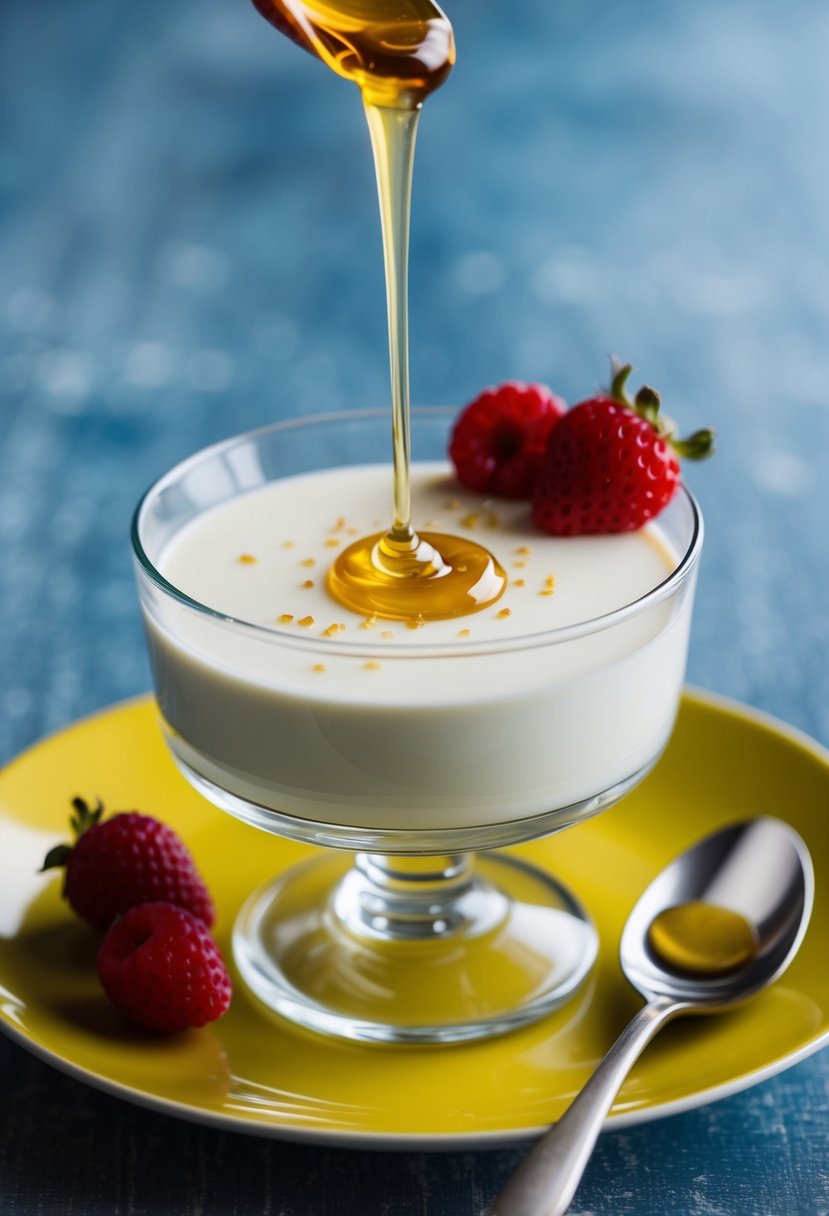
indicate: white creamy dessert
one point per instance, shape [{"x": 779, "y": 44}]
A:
[{"x": 286, "y": 699}]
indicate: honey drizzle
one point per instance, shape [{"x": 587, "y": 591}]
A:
[
  {"x": 393, "y": 134},
  {"x": 397, "y": 52},
  {"x": 400, "y": 575}
]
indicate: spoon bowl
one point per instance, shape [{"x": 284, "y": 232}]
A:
[
  {"x": 760, "y": 869},
  {"x": 758, "y": 874}
]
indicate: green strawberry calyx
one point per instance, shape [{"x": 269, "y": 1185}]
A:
[
  {"x": 82, "y": 819},
  {"x": 647, "y": 403}
]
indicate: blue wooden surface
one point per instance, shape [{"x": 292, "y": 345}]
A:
[{"x": 189, "y": 246}]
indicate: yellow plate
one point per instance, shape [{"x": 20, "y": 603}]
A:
[{"x": 255, "y": 1073}]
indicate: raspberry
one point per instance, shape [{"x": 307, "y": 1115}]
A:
[
  {"x": 499, "y": 439},
  {"x": 161, "y": 968},
  {"x": 611, "y": 465},
  {"x": 123, "y": 861}
]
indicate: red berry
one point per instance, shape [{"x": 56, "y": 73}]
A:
[
  {"x": 127, "y": 860},
  {"x": 605, "y": 470},
  {"x": 611, "y": 464},
  {"x": 159, "y": 965},
  {"x": 499, "y": 439}
]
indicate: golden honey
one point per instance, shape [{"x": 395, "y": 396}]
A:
[
  {"x": 701, "y": 938},
  {"x": 396, "y": 52}
]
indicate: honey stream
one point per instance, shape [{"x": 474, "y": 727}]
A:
[{"x": 397, "y": 52}]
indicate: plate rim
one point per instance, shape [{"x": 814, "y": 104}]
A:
[
  {"x": 399, "y": 1141},
  {"x": 415, "y": 1141}
]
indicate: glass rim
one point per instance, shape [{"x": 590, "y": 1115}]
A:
[{"x": 332, "y": 646}]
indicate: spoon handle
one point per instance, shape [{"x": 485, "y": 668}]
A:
[{"x": 546, "y": 1180}]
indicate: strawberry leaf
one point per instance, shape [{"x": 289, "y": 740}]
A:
[
  {"x": 646, "y": 403},
  {"x": 697, "y": 446},
  {"x": 85, "y": 816},
  {"x": 56, "y": 857},
  {"x": 619, "y": 373}
]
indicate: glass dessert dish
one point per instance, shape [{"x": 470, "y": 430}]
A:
[{"x": 408, "y": 746}]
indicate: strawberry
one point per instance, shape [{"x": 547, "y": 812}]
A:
[
  {"x": 611, "y": 464},
  {"x": 499, "y": 439},
  {"x": 126, "y": 860},
  {"x": 159, "y": 965}
]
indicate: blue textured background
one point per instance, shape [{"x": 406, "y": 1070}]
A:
[{"x": 189, "y": 246}]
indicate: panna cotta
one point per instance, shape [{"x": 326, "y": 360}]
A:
[{"x": 562, "y": 690}]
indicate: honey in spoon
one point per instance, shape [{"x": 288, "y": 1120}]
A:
[{"x": 701, "y": 938}]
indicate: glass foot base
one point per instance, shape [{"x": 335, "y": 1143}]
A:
[{"x": 405, "y": 951}]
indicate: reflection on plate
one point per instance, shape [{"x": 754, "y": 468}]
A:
[{"x": 255, "y": 1073}]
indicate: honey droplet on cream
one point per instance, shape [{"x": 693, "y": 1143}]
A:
[{"x": 431, "y": 577}]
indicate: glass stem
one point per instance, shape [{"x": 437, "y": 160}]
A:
[
  {"x": 393, "y": 132},
  {"x": 395, "y": 898}
]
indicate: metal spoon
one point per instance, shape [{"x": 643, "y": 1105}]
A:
[{"x": 761, "y": 870}]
